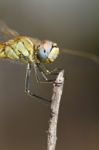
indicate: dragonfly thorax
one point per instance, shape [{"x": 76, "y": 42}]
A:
[{"x": 20, "y": 49}]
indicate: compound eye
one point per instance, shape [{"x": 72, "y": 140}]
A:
[{"x": 44, "y": 51}]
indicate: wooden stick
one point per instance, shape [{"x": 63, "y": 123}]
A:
[{"x": 56, "y": 98}]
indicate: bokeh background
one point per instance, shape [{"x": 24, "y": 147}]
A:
[{"x": 73, "y": 24}]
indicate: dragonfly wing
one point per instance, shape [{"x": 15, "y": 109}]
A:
[
  {"x": 82, "y": 54},
  {"x": 6, "y": 33}
]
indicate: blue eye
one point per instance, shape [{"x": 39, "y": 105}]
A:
[{"x": 42, "y": 53}]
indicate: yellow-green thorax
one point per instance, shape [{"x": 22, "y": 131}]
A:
[{"x": 21, "y": 48}]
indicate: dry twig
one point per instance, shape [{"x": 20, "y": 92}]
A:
[{"x": 56, "y": 97}]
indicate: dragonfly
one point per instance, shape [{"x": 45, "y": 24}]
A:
[
  {"x": 35, "y": 54},
  {"x": 30, "y": 51}
]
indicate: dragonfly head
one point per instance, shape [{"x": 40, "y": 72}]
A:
[{"x": 47, "y": 52}]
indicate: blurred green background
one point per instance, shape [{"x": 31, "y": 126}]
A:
[{"x": 73, "y": 24}]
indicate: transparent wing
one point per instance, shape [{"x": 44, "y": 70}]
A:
[
  {"x": 6, "y": 33},
  {"x": 83, "y": 54}
]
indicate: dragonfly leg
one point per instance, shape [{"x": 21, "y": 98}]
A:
[
  {"x": 40, "y": 72},
  {"x": 27, "y": 78},
  {"x": 27, "y": 85},
  {"x": 44, "y": 72},
  {"x": 53, "y": 72},
  {"x": 49, "y": 72}
]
